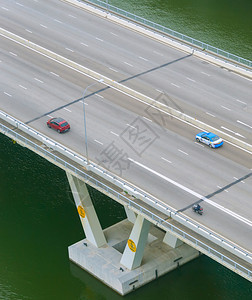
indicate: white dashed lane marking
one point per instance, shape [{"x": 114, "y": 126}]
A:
[
  {"x": 205, "y": 73},
  {"x": 166, "y": 160},
  {"x": 38, "y": 80},
  {"x": 86, "y": 45},
  {"x": 225, "y": 107},
  {"x": 7, "y": 94},
  {"x": 114, "y": 133},
  {"x": 210, "y": 114},
  {"x": 147, "y": 119},
  {"x": 54, "y": 74},
  {"x": 190, "y": 79},
  {"x": 182, "y": 152},
  {"x": 126, "y": 63},
  {"x": 98, "y": 142}
]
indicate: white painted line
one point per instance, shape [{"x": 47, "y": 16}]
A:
[
  {"x": 205, "y": 73},
  {"x": 210, "y": 114},
  {"x": 175, "y": 85},
  {"x": 243, "y": 123},
  {"x": 28, "y": 30},
  {"x": 199, "y": 144},
  {"x": 4, "y": 8},
  {"x": 14, "y": 54},
  {"x": 69, "y": 49},
  {"x": 159, "y": 91},
  {"x": 235, "y": 178},
  {"x": 71, "y": 16},
  {"x": 238, "y": 134},
  {"x": 114, "y": 133},
  {"x": 86, "y": 45},
  {"x": 113, "y": 70},
  {"x": 145, "y": 59},
  {"x": 99, "y": 39},
  {"x": 49, "y": 116},
  {"x": 23, "y": 87},
  {"x": 182, "y": 152},
  {"x": 58, "y": 21},
  {"x": 130, "y": 126},
  {"x": 84, "y": 102},
  {"x": 98, "y": 95},
  {"x": 221, "y": 188},
  {"x": 38, "y": 80},
  {"x": 7, "y": 94},
  {"x": 241, "y": 101},
  {"x": 225, "y": 107},
  {"x": 67, "y": 109},
  {"x": 227, "y": 129},
  {"x": 190, "y": 79},
  {"x": 19, "y": 4},
  {"x": 158, "y": 53},
  {"x": 232, "y": 131},
  {"x": 113, "y": 33},
  {"x": 44, "y": 26},
  {"x": 54, "y": 74},
  {"x": 195, "y": 194},
  {"x": 147, "y": 119},
  {"x": 128, "y": 64},
  {"x": 98, "y": 142},
  {"x": 166, "y": 160}
]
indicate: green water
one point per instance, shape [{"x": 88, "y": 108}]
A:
[
  {"x": 38, "y": 219},
  {"x": 225, "y": 24}
]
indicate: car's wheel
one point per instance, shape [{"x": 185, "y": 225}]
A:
[
  {"x": 58, "y": 131},
  {"x": 197, "y": 140},
  {"x": 48, "y": 125},
  {"x": 210, "y": 145}
]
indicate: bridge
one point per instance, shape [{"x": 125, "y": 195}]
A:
[{"x": 144, "y": 96}]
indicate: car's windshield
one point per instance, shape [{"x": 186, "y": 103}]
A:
[
  {"x": 63, "y": 124},
  {"x": 215, "y": 138}
]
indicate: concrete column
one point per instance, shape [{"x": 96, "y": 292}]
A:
[
  {"x": 171, "y": 240},
  {"x": 133, "y": 252},
  {"x": 131, "y": 215},
  {"x": 87, "y": 214}
]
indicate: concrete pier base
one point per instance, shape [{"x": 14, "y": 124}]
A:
[{"x": 104, "y": 262}]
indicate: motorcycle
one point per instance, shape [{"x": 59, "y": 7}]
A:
[{"x": 197, "y": 209}]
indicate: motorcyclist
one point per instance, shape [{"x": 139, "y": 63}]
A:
[{"x": 197, "y": 207}]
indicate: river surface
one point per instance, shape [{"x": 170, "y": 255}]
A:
[{"x": 38, "y": 218}]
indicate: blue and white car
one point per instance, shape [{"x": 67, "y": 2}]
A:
[{"x": 210, "y": 139}]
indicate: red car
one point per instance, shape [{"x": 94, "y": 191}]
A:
[{"x": 58, "y": 124}]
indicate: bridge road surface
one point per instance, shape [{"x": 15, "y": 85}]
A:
[
  {"x": 33, "y": 85},
  {"x": 200, "y": 89}
]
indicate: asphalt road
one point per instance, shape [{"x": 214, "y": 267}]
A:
[{"x": 163, "y": 158}]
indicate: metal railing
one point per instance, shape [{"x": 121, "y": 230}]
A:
[
  {"x": 94, "y": 182},
  {"x": 177, "y": 35}
]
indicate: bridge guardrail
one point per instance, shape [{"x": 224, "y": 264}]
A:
[
  {"x": 123, "y": 184},
  {"x": 247, "y": 64}
]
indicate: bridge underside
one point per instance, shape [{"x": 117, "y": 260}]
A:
[{"x": 128, "y": 254}]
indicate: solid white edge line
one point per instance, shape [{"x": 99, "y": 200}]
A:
[{"x": 197, "y": 195}]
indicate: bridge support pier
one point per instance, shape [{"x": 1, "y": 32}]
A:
[{"x": 127, "y": 255}]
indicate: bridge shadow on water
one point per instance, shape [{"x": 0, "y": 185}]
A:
[{"x": 108, "y": 87}]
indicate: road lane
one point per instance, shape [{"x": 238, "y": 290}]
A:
[
  {"x": 137, "y": 60},
  {"x": 201, "y": 169}
]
